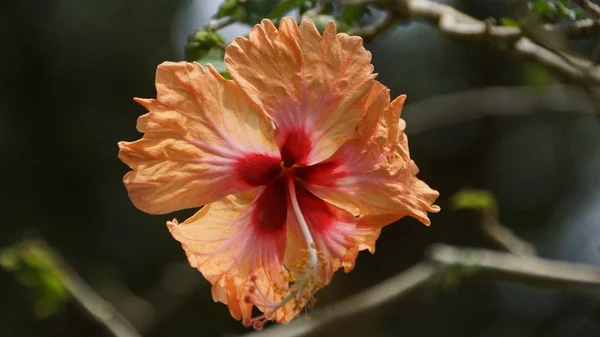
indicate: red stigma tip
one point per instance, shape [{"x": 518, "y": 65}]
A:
[
  {"x": 257, "y": 325},
  {"x": 248, "y": 299},
  {"x": 247, "y": 322},
  {"x": 252, "y": 278},
  {"x": 252, "y": 289}
]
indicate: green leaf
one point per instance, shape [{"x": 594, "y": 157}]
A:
[
  {"x": 9, "y": 259},
  {"x": 473, "y": 199},
  {"x": 565, "y": 11},
  {"x": 200, "y": 43},
  {"x": 256, "y": 10},
  {"x": 544, "y": 7},
  {"x": 215, "y": 57},
  {"x": 536, "y": 75},
  {"x": 509, "y": 22},
  {"x": 45, "y": 307},
  {"x": 322, "y": 20},
  {"x": 284, "y": 7},
  {"x": 555, "y": 8},
  {"x": 352, "y": 13},
  {"x": 230, "y": 8}
]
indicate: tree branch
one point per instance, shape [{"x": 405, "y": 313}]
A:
[
  {"x": 472, "y": 104},
  {"x": 522, "y": 269},
  {"x": 526, "y": 270},
  {"x": 385, "y": 292},
  {"x": 372, "y": 31},
  {"x": 459, "y": 25},
  {"x": 589, "y": 6}
]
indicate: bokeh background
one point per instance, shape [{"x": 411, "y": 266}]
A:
[{"x": 69, "y": 71}]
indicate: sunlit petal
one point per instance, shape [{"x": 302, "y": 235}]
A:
[
  {"x": 373, "y": 175},
  {"x": 203, "y": 139},
  {"x": 312, "y": 86}
]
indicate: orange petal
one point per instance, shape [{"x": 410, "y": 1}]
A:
[
  {"x": 203, "y": 139},
  {"x": 312, "y": 86},
  {"x": 237, "y": 239},
  {"x": 373, "y": 176}
]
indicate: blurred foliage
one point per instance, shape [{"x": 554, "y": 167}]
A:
[
  {"x": 554, "y": 10},
  {"x": 548, "y": 10},
  {"x": 207, "y": 46},
  {"x": 253, "y": 11},
  {"x": 473, "y": 199},
  {"x": 283, "y": 7},
  {"x": 352, "y": 13},
  {"x": 536, "y": 75},
  {"x": 35, "y": 268}
]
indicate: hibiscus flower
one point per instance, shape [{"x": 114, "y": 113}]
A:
[{"x": 299, "y": 161}]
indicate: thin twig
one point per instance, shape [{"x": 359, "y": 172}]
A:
[
  {"x": 215, "y": 24},
  {"x": 589, "y": 6},
  {"x": 506, "y": 238},
  {"x": 478, "y": 103},
  {"x": 101, "y": 310},
  {"x": 522, "y": 269},
  {"x": 376, "y": 296},
  {"x": 578, "y": 29},
  {"x": 374, "y": 30}
]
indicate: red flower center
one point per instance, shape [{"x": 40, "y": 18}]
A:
[{"x": 272, "y": 172}]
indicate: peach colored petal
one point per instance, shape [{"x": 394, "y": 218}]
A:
[
  {"x": 232, "y": 239},
  {"x": 312, "y": 86},
  {"x": 373, "y": 176},
  {"x": 366, "y": 236},
  {"x": 201, "y": 135}
]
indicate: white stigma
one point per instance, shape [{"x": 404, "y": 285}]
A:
[
  {"x": 313, "y": 261},
  {"x": 303, "y": 284}
]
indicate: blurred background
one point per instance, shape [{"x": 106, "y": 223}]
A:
[{"x": 69, "y": 71}]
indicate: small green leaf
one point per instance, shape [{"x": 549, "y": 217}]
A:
[
  {"x": 284, "y": 7},
  {"x": 200, "y": 43},
  {"x": 322, "y": 20},
  {"x": 230, "y": 8},
  {"x": 536, "y": 75},
  {"x": 509, "y": 22},
  {"x": 565, "y": 11},
  {"x": 473, "y": 199},
  {"x": 352, "y": 13},
  {"x": 256, "y": 10},
  {"x": 45, "y": 307},
  {"x": 544, "y": 7},
  {"x": 557, "y": 9},
  {"x": 215, "y": 57},
  {"x": 9, "y": 259}
]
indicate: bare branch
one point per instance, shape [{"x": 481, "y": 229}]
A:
[
  {"x": 506, "y": 238},
  {"x": 522, "y": 269},
  {"x": 459, "y": 25},
  {"x": 374, "y": 297},
  {"x": 493, "y": 101},
  {"x": 579, "y": 29},
  {"x": 215, "y": 24},
  {"x": 372, "y": 31},
  {"x": 527, "y": 270},
  {"x": 589, "y": 6}
]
